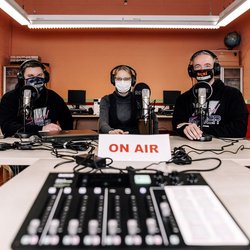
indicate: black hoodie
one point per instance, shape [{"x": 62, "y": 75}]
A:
[
  {"x": 226, "y": 108},
  {"x": 48, "y": 108}
]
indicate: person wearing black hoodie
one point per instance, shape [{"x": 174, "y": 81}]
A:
[
  {"x": 226, "y": 114},
  {"x": 46, "y": 111}
]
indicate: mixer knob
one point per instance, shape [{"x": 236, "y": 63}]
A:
[
  {"x": 112, "y": 226},
  {"x": 151, "y": 225},
  {"x": 174, "y": 239},
  {"x": 192, "y": 178},
  {"x": 93, "y": 227},
  {"x": 73, "y": 226},
  {"x": 54, "y": 226},
  {"x": 132, "y": 226},
  {"x": 33, "y": 226},
  {"x": 165, "y": 209}
]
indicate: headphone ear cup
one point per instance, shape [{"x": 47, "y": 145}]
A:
[
  {"x": 112, "y": 78},
  {"x": 20, "y": 78},
  {"x": 46, "y": 76},
  {"x": 133, "y": 80},
  {"x": 216, "y": 69},
  {"x": 191, "y": 72}
]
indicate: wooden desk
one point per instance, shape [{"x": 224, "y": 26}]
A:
[
  {"x": 165, "y": 124},
  {"x": 85, "y": 122},
  {"x": 91, "y": 122}
]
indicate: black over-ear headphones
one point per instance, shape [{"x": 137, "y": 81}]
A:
[
  {"x": 216, "y": 68},
  {"x": 31, "y": 63},
  {"x": 126, "y": 68}
]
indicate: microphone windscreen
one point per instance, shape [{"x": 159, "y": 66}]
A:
[
  {"x": 202, "y": 85},
  {"x": 27, "y": 93},
  {"x": 139, "y": 87},
  {"x": 138, "y": 93},
  {"x": 34, "y": 91}
]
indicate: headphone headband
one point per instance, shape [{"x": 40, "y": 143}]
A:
[
  {"x": 31, "y": 63},
  {"x": 203, "y": 52},
  {"x": 216, "y": 68},
  {"x": 123, "y": 67}
]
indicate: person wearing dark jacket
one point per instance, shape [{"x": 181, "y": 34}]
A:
[
  {"x": 119, "y": 111},
  {"x": 226, "y": 112},
  {"x": 47, "y": 111}
]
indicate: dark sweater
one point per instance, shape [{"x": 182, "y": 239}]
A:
[
  {"x": 227, "y": 112},
  {"x": 118, "y": 112},
  {"x": 123, "y": 112},
  {"x": 48, "y": 108}
]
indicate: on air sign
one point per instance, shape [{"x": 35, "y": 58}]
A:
[{"x": 135, "y": 147}]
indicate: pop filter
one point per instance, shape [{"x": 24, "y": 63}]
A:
[
  {"x": 202, "y": 85},
  {"x": 138, "y": 94},
  {"x": 33, "y": 90}
]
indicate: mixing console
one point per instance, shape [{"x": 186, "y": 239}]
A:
[{"x": 128, "y": 211}]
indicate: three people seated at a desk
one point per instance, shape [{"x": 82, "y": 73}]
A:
[
  {"x": 226, "y": 110},
  {"x": 48, "y": 111}
]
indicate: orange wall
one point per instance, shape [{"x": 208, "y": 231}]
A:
[
  {"x": 82, "y": 59},
  {"x": 242, "y": 25}
]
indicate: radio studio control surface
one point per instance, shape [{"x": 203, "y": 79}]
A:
[{"x": 128, "y": 211}]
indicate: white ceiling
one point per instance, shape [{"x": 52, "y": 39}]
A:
[{"x": 210, "y": 14}]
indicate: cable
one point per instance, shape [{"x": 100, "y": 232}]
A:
[
  {"x": 204, "y": 170},
  {"x": 64, "y": 162}
]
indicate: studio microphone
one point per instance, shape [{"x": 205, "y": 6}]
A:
[
  {"x": 202, "y": 97},
  {"x": 202, "y": 91},
  {"x": 29, "y": 95},
  {"x": 26, "y": 102},
  {"x": 145, "y": 104},
  {"x": 142, "y": 98},
  {"x": 138, "y": 97}
]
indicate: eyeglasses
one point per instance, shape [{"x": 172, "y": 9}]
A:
[{"x": 122, "y": 79}]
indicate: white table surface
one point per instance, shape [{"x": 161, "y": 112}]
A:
[{"x": 231, "y": 182}]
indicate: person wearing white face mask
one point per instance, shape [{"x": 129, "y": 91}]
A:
[{"x": 118, "y": 114}]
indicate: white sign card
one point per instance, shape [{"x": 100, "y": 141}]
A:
[{"x": 135, "y": 147}]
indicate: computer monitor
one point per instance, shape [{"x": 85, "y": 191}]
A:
[
  {"x": 76, "y": 98},
  {"x": 170, "y": 97}
]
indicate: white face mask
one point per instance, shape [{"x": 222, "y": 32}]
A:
[{"x": 123, "y": 86}]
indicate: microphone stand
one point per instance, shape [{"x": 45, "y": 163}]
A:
[
  {"x": 146, "y": 127},
  {"x": 151, "y": 120},
  {"x": 24, "y": 134},
  {"x": 204, "y": 137}
]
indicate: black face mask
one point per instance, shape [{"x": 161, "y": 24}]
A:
[
  {"x": 37, "y": 82},
  {"x": 204, "y": 75}
]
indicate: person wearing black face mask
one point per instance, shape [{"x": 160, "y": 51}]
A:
[
  {"x": 47, "y": 111},
  {"x": 226, "y": 111}
]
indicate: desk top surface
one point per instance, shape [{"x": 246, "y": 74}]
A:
[
  {"x": 231, "y": 181},
  {"x": 223, "y": 149}
]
